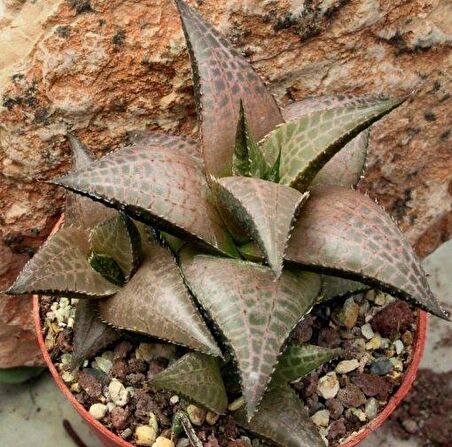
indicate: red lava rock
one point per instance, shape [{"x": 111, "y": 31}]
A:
[
  {"x": 228, "y": 430},
  {"x": 237, "y": 443},
  {"x": 137, "y": 366},
  {"x": 89, "y": 384},
  {"x": 144, "y": 404},
  {"x": 155, "y": 366},
  {"x": 351, "y": 396},
  {"x": 335, "y": 408},
  {"x": 394, "y": 318},
  {"x": 211, "y": 442},
  {"x": 135, "y": 378},
  {"x": 329, "y": 338},
  {"x": 62, "y": 341},
  {"x": 119, "y": 369},
  {"x": 118, "y": 418},
  {"x": 303, "y": 330},
  {"x": 308, "y": 385},
  {"x": 373, "y": 385},
  {"x": 410, "y": 426},
  {"x": 122, "y": 350},
  {"x": 337, "y": 429}
]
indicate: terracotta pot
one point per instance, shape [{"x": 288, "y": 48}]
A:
[{"x": 109, "y": 439}]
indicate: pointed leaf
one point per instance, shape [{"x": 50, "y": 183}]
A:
[
  {"x": 347, "y": 234},
  {"x": 266, "y": 209},
  {"x": 307, "y": 143},
  {"x": 299, "y": 360},
  {"x": 336, "y": 287},
  {"x": 252, "y": 252},
  {"x": 222, "y": 77},
  {"x": 254, "y": 312},
  {"x": 107, "y": 267},
  {"x": 197, "y": 377},
  {"x": 155, "y": 185},
  {"x": 185, "y": 145},
  {"x": 283, "y": 420},
  {"x": 156, "y": 302},
  {"x": 82, "y": 211},
  {"x": 91, "y": 335},
  {"x": 248, "y": 159},
  {"x": 61, "y": 267},
  {"x": 118, "y": 238},
  {"x": 272, "y": 174}
]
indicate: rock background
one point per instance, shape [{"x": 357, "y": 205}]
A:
[{"x": 99, "y": 68}]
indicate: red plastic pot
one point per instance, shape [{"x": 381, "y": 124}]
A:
[{"x": 109, "y": 439}]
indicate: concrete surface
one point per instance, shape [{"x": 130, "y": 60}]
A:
[{"x": 32, "y": 414}]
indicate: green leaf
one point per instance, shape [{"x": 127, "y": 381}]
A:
[
  {"x": 255, "y": 312},
  {"x": 272, "y": 175},
  {"x": 197, "y": 377},
  {"x": 107, "y": 267},
  {"x": 91, "y": 335},
  {"x": 60, "y": 267},
  {"x": 307, "y": 143},
  {"x": 20, "y": 374},
  {"x": 159, "y": 186},
  {"x": 119, "y": 239},
  {"x": 283, "y": 420},
  {"x": 298, "y": 361},
  {"x": 222, "y": 77},
  {"x": 185, "y": 145},
  {"x": 346, "y": 234},
  {"x": 181, "y": 423},
  {"x": 266, "y": 209},
  {"x": 252, "y": 252},
  {"x": 248, "y": 159},
  {"x": 336, "y": 287},
  {"x": 347, "y": 166},
  {"x": 156, "y": 302},
  {"x": 82, "y": 211}
]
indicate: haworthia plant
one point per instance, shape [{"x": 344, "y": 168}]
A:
[{"x": 241, "y": 233}]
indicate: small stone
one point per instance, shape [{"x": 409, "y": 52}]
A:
[
  {"x": 183, "y": 442},
  {"x": 381, "y": 367},
  {"x": 98, "y": 411},
  {"x": 121, "y": 350},
  {"x": 212, "y": 418},
  {"x": 381, "y": 299},
  {"x": 407, "y": 338},
  {"x": 321, "y": 418},
  {"x": 150, "y": 351},
  {"x": 328, "y": 386},
  {"x": 103, "y": 364},
  {"x": 90, "y": 384},
  {"x": 174, "y": 399},
  {"x": 394, "y": 318},
  {"x": 153, "y": 422},
  {"x": 196, "y": 415},
  {"x": 303, "y": 330},
  {"x": 359, "y": 414},
  {"x": 335, "y": 408},
  {"x": 374, "y": 343},
  {"x": 329, "y": 338},
  {"x": 397, "y": 364},
  {"x": 67, "y": 376},
  {"x": 364, "y": 308},
  {"x": 398, "y": 345},
  {"x": 373, "y": 385},
  {"x": 336, "y": 429},
  {"x": 163, "y": 442},
  {"x": 118, "y": 417},
  {"x": 76, "y": 388},
  {"x": 346, "y": 366},
  {"x": 126, "y": 434},
  {"x": 236, "y": 404},
  {"x": 371, "y": 408},
  {"x": 410, "y": 426},
  {"x": 145, "y": 435},
  {"x": 351, "y": 396},
  {"x": 119, "y": 369},
  {"x": 385, "y": 343},
  {"x": 367, "y": 331},
  {"x": 118, "y": 393},
  {"x": 349, "y": 313}
]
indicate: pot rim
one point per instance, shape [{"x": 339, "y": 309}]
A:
[{"x": 103, "y": 432}]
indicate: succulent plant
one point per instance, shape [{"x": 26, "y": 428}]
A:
[{"x": 223, "y": 245}]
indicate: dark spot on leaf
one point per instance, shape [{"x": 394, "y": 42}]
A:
[
  {"x": 445, "y": 135},
  {"x": 119, "y": 37},
  {"x": 81, "y": 6},
  {"x": 63, "y": 31},
  {"x": 430, "y": 116}
]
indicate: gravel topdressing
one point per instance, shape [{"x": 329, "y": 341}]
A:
[{"x": 375, "y": 330}]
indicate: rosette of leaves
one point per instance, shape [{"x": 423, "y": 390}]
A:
[{"x": 223, "y": 244}]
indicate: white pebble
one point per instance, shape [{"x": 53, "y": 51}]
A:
[
  {"x": 163, "y": 442},
  {"x": 145, "y": 435},
  {"x": 153, "y": 422},
  {"x": 321, "y": 418},
  {"x": 212, "y": 418},
  {"x": 367, "y": 331},
  {"x": 345, "y": 366},
  {"x": 67, "y": 376},
  {"x": 174, "y": 399},
  {"x": 118, "y": 393},
  {"x": 398, "y": 345},
  {"x": 103, "y": 364},
  {"x": 328, "y": 386},
  {"x": 397, "y": 363},
  {"x": 371, "y": 409},
  {"x": 359, "y": 414},
  {"x": 374, "y": 343},
  {"x": 98, "y": 411},
  {"x": 196, "y": 415},
  {"x": 183, "y": 442}
]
